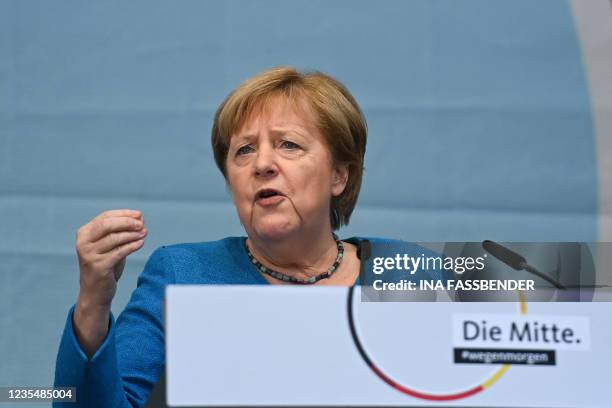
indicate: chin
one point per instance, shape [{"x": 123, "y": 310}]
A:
[{"x": 274, "y": 229}]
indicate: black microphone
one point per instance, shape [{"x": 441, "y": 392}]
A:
[
  {"x": 364, "y": 250},
  {"x": 516, "y": 261}
]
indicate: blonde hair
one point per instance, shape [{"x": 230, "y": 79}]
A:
[{"x": 337, "y": 114}]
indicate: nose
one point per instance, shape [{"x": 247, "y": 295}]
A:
[{"x": 265, "y": 163}]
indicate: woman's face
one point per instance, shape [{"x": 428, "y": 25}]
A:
[{"x": 280, "y": 173}]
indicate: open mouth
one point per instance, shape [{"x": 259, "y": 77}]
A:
[{"x": 268, "y": 196}]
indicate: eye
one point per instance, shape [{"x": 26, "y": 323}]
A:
[
  {"x": 244, "y": 150},
  {"x": 289, "y": 145}
]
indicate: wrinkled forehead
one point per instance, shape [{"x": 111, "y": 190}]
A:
[{"x": 284, "y": 109}]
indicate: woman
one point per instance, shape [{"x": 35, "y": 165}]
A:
[{"x": 291, "y": 148}]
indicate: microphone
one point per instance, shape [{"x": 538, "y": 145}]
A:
[
  {"x": 364, "y": 250},
  {"x": 516, "y": 261}
]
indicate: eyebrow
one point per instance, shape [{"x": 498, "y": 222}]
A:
[
  {"x": 244, "y": 137},
  {"x": 248, "y": 137}
]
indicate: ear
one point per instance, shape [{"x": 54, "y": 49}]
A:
[{"x": 340, "y": 178}]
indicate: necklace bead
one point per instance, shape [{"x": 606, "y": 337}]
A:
[{"x": 286, "y": 278}]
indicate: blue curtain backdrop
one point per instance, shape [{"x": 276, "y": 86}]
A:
[{"x": 479, "y": 114}]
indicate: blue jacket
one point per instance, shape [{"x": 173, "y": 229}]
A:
[{"x": 123, "y": 370}]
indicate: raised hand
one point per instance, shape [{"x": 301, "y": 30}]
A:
[{"x": 102, "y": 246}]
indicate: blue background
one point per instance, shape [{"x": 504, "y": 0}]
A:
[{"x": 479, "y": 118}]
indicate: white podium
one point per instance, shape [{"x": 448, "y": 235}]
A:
[{"x": 316, "y": 346}]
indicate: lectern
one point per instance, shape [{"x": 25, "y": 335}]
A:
[{"x": 324, "y": 346}]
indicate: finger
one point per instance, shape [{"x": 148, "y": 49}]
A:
[
  {"x": 104, "y": 226},
  {"x": 121, "y": 213},
  {"x": 122, "y": 251},
  {"x": 110, "y": 241},
  {"x": 137, "y": 214}
]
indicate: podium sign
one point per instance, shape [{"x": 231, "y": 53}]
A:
[{"x": 312, "y": 346}]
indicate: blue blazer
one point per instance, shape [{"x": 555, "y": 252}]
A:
[{"x": 124, "y": 369}]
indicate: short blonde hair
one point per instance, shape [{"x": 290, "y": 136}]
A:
[{"x": 338, "y": 117}]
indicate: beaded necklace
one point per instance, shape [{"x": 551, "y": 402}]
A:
[{"x": 286, "y": 278}]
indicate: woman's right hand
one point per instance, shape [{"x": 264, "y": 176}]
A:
[{"x": 102, "y": 246}]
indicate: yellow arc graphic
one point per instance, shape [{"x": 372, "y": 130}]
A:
[{"x": 502, "y": 370}]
